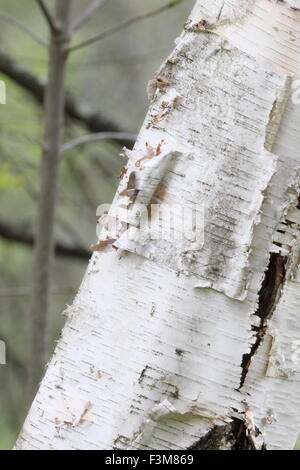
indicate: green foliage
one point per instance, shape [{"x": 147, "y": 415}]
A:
[
  {"x": 8, "y": 179},
  {"x": 175, "y": 2}
]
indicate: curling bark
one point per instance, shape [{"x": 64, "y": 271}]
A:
[
  {"x": 44, "y": 245},
  {"x": 173, "y": 346}
]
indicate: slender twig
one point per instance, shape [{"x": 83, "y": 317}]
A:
[
  {"x": 86, "y": 15},
  {"x": 16, "y": 234},
  {"x": 13, "y": 21},
  {"x": 47, "y": 15},
  {"x": 26, "y": 292},
  {"x": 86, "y": 139},
  {"x": 121, "y": 26}
]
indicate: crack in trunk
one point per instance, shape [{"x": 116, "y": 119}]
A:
[
  {"x": 269, "y": 295},
  {"x": 233, "y": 436}
]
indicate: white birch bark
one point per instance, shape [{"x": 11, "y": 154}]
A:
[{"x": 169, "y": 346}]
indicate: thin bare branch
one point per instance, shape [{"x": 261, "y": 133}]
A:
[
  {"x": 121, "y": 26},
  {"x": 86, "y": 15},
  {"x": 47, "y": 15},
  {"x": 13, "y": 21},
  {"x": 93, "y": 122},
  {"x": 26, "y": 291},
  {"x": 18, "y": 235},
  {"x": 86, "y": 139}
]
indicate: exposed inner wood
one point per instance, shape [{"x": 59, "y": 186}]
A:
[
  {"x": 269, "y": 295},
  {"x": 233, "y": 436}
]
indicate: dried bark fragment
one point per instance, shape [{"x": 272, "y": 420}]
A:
[{"x": 103, "y": 245}]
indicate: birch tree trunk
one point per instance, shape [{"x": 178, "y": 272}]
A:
[{"x": 169, "y": 346}]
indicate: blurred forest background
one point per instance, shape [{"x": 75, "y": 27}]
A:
[{"x": 108, "y": 84}]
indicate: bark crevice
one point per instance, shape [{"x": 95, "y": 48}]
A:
[
  {"x": 232, "y": 436},
  {"x": 269, "y": 295}
]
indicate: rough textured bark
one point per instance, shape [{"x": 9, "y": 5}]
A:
[
  {"x": 44, "y": 241},
  {"x": 168, "y": 346}
]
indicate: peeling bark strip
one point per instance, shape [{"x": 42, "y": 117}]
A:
[
  {"x": 282, "y": 265},
  {"x": 242, "y": 438},
  {"x": 232, "y": 203},
  {"x": 170, "y": 354},
  {"x": 269, "y": 295}
]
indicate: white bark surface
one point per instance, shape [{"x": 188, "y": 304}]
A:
[{"x": 150, "y": 357}]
